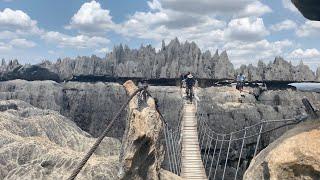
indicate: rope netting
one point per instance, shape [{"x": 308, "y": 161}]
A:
[{"x": 217, "y": 147}]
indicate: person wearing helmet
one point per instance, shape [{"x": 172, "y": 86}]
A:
[{"x": 190, "y": 82}]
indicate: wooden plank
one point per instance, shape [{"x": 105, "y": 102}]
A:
[{"x": 192, "y": 167}]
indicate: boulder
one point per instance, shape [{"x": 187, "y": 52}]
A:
[
  {"x": 141, "y": 152},
  {"x": 295, "y": 155},
  {"x": 167, "y": 175}
]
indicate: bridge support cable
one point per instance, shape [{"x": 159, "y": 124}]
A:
[
  {"x": 207, "y": 152},
  {"x": 213, "y": 156},
  {"x": 220, "y": 150},
  {"x": 173, "y": 147},
  {"x": 258, "y": 140},
  {"x": 225, "y": 165},
  {"x": 84, "y": 160},
  {"x": 216, "y": 147},
  {"x": 241, "y": 149},
  {"x": 168, "y": 148},
  {"x": 204, "y": 135}
]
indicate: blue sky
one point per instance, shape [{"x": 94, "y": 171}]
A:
[{"x": 33, "y": 30}]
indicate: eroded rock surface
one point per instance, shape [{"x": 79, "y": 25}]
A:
[
  {"x": 90, "y": 105},
  {"x": 295, "y": 155},
  {"x": 42, "y": 144},
  {"x": 279, "y": 70},
  {"x": 141, "y": 152},
  {"x": 170, "y": 61},
  {"x": 227, "y": 110}
]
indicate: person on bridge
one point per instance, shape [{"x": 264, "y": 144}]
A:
[
  {"x": 240, "y": 81},
  {"x": 190, "y": 82}
]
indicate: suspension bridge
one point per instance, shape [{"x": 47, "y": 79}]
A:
[{"x": 194, "y": 151}]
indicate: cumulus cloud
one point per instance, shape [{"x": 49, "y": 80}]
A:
[
  {"x": 8, "y": 35},
  {"x": 307, "y": 53},
  {"x": 102, "y": 51},
  {"x": 79, "y": 41},
  {"x": 15, "y": 44},
  {"x": 5, "y": 47},
  {"x": 92, "y": 19},
  {"x": 17, "y": 21},
  {"x": 246, "y": 29},
  {"x": 242, "y": 52},
  {"x": 254, "y": 9},
  {"x": 22, "y": 43},
  {"x": 231, "y": 7},
  {"x": 284, "y": 25},
  {"x": 160, "y": 23},
  {"x": 309, "y": 28},
  {"x": 287, "y": 4}
]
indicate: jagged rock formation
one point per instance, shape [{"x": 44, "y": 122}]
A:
[
  {"x": 295, "y": 155},
  {"x": 223, "y": 68},
  {"x": 279, "y": 70},
  {"x": 141, "y": 152},
  {"x": 170, "y": 61},
  {"x": 318, "y": 74},
  {"x": 42, "y": 144}
]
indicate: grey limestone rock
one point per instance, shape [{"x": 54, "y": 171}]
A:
[{"x": 42, "y": 144}]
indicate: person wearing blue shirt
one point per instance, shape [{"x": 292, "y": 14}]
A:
[{"x": 240, "y": 81}]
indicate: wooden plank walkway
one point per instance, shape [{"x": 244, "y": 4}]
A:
[{"x": 191, "y": 163}]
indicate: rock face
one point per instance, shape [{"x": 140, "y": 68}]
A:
[
  {"x": 141, "y": 152},
  {"x": 295, "y": 155},
  {"x": 90, "y": 105},
  {"x": 226, "y": 110},
  {"x": 42, "y": 144},
  {"x": 170, "y": 61},
  {"x": 318, "y": 74},
  {"x": 279, "y": 70}
]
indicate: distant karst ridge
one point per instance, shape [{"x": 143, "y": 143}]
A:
[{"x": 169, "y": 62}]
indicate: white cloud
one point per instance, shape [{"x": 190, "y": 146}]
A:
[
  {"x": 168, "y": 24},
  {"x": 287, "y": 4},
  {"x": 8, "y": 35},
  {"x": 254, "y": 9},
  {"x": 216, "y": 6},
  {"x": 284, "y": 25},
  {"x": 310, "y": 28},
  {"x": 5, "y": 47},
  {"x": 307, "y": 53},
  {"x": 52, "y": 52},
  {"x": 17, "y": 21},
  {"x": 92, "y": 19},
  {"x": 246, "y": 29},
  {"x": 79, "y": 41},
  {"x": 154, "y": 5},
  {"x": 243, "y": 52},
  {"x": 16, "y": 44},
  {"x": 102, "y": 51},
  {"x": 22, "y": 43}
]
